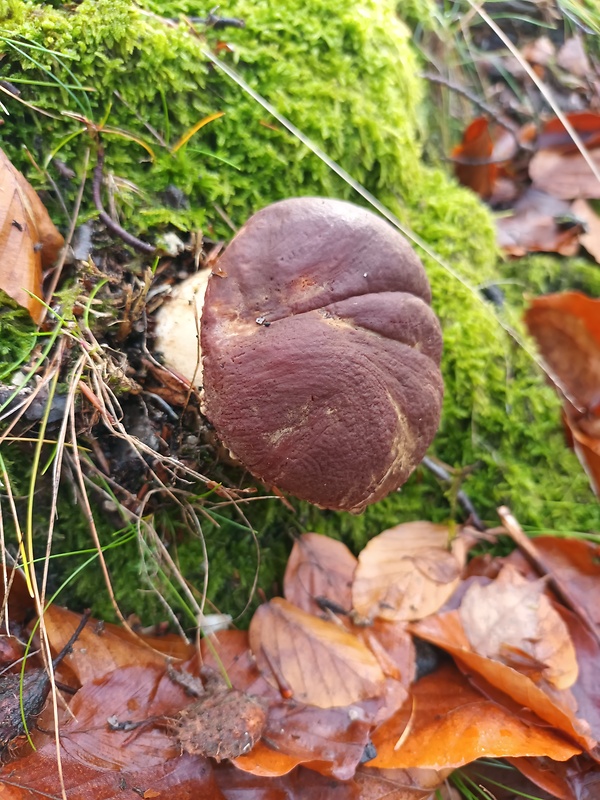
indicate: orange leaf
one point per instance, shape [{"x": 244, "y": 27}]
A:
[
  {"x": 28, "y": 239},
  {"x": 566, "y": 327},
  {"x": 319, "y": 568},
  {"x": 476, "y": 145},
  {"x": 407, "y": 572},
  {"x": 555, "y": 707},
  {"x": 443, "y": 729},
  {"x": 554, "y": 135},
  {"x": 314, "y": 661}
]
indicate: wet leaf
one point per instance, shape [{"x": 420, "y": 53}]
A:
[
  {"x": 319, "y": 569},
  {"x": 315, "y": 662},
  {"x": 300, "y": 784},
  {"x": 442, "y": 728},
  {"x": 28, "y": 239},
  {"x": 398, "y": 784},
  {"x": 331, "y": 741},
  {"x": 513, "y": 617},
  {"x": 558, "y": 708},
  {"x": 407, "y": 572}
]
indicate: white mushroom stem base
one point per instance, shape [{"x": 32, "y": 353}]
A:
[{"x": 177, "y": 328}]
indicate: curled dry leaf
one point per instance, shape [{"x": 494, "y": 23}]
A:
[
  {"x": 407, "y": 572},
  {"x": 442, "y": 728},
  {"x": 513, "y": 616},
  {"x": 319, "y": 569},
  {"x": 28, "y": 239},
  {"x": 558, "y": 708},
  {"x": 315, "y": 662}
]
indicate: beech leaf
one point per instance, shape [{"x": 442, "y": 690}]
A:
[
  {"x": 442, "y": 728},
  {"x": 407, "y": 572},
  {"x": 313, "y": 661},
  {"x": 28, "y": 239},
  {"x": 513, "y": 614},
  {"x": 319, "y": 568}
]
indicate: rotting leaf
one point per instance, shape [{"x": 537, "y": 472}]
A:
[
  {"x": 398, "y": 784},
  {"x": 441, "y": 728},
  {"x": 513, "y": 617},
  {"x": 300, "y": 784},
  {"x": 319, "y": 569},
  {"x": 313, "y": 661},
  {"x": 407, "y": 572},
  {"x": 28, "y": 239}
]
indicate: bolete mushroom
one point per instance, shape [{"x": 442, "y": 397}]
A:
[{"x": 320, "y": 353}]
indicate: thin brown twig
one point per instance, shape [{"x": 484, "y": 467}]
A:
[
  {"x": 114, "y": 227},
  {"x": 440, "y": 472}
]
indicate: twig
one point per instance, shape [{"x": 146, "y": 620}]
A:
[
  {"x": 462, "y": 497},
  {"x": 114, "y": 227}
]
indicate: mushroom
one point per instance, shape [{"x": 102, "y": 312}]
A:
[{"x": 320, "y": 353}]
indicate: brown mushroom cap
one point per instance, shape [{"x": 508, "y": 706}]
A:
[{"x": 321, "y": 354}]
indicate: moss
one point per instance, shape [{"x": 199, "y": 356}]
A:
[
  {"x": 18, "y": 336},
  {"x": 501, "y": 422}
]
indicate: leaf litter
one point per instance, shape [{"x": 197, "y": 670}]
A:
[{"x": 331, "y": 694}]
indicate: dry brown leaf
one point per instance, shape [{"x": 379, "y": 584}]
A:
[
  {"x": 442, "y": 728},
  {"x": 556, "y": 707},
  {"x": 313, "y": 661},
  {"x": 513, "y": 615},
  {"x": 534, "y": 226},
  {"x": 566, "y": 327},
  {"x": 103, "y": 647},
  {"x": 28, "y": 239},
  {"x": 565, "y": 176},
  {"x": 319, "y": 569},
  {"x": 407, "y": 572}
]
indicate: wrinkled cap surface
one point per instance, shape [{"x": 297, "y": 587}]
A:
[{"x": 321, "y": 354}]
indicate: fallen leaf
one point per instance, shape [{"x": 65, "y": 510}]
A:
[
  {"x": 539, "y": 223},
  {"x": 407, "y": 572},
  {"x": 399, "y": 784},
  {"x": 510, "y": 784},
  {"x": 576, "y": 779},
  {"x": 319, "y": 569},
  {"x": 566, "y": 327},
  {"x": 316, "y": 662},
  {"x": 539, "y": 51},
  {"x": 331, "y": 741},
  {"x": 441, "y": 728},
  {"x": 555, "y": 137},
  {"x": 573, "y": 58},
  {"x": 28, "y": 239},
  {"x": 513, "y": 616},
  {"x": 555, "y": 707},
  {"x": 103, "y": 647},
  {"x": 472, "y": 157},
  {"x": 300, "y": 784}
]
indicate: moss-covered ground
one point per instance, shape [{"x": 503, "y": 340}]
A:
[{"x": 344, "y": 72}]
